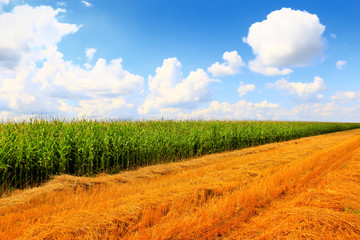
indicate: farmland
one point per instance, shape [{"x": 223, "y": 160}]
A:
[
  {"x": 31, "y": 152},
  {"x": 301, "y": 189}
]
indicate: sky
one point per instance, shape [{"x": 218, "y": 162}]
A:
[{"x": 180, "y": 59}]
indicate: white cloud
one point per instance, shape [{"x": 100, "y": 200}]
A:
[
  {"x": 102, "y": 108},
  {"x": 87, "y": 65},
  {"x": 287, "y": 38},
  {"x": 346, "y": 96},
  {"x": 90, "y": 53},
  {"x": 242, "y": 110},
  {"x": 25, "y": 33},
  {"x": 330, "y": 111},
  {"x": 312, "y": 111},
  {"x": 168, "y": 88},
  {"x": 101, "y": 90},
  {"x": 305, "y": 91},
  {"x": 104, "y": 79},
  {"x": 333, "y": 35},
  {"x": 20, "y": 95},
  {"x": 245, "y": 88},
  {"x": 86, "y": 4},
  {"x": 39, "y": 81},
  {"x": 340, "y": 64},
  {"x": 27, "y": 30},
  {"x": 231, "y": 66},
  {"x": 10, "y": 116},
  {"x": 258, "y": 67},
  {"x": 13, "y": 91}
]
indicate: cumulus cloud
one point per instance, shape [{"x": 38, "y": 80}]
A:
[
  {"x": 90, "y": 53},
  {"x": 20, "y": 95},
  {"x": 101, "y": 90},
  {"x": 231, "y": 66},
  {"x": 287, "y": 38},
  {"x": 305, "y": 91},
  {"x": 14, "y": 93},
  {"x": 104, "y": 79},
  {"x": 242, "y": 110},
  {"x": 35, "y": 78},
  {"x": 245, "y": 88},
  {"x": 86, "y": 4},
  {"x": 25, "y": 30},
  {"x": 100, "y": 108},
  {"x": 259, "y": 67},
  {"x": 346, "y": 96},
  {"x": 168, "y": 88},
  {"x": 340, "y": 64},
  {"x": 329, "y": 111},
  {"x": 320, "y": 112}
]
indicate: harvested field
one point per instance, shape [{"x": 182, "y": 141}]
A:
[{"x": 300, "y": 189}]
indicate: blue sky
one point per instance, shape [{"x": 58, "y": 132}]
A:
[{"x": 181, "y": 59}]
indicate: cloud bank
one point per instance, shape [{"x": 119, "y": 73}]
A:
[
  {"x": 305, "y": 91},
  {"x": 26, "y": 30},
  {"x": 35, "y": 78},
  {"x": 240, "y": 110},
  {"x": 346, "y": 96}
]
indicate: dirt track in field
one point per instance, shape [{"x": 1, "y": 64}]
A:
[{"x": 302, "y": 189}]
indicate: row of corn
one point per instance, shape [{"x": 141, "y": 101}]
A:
[{"x": 31, "y": 152}]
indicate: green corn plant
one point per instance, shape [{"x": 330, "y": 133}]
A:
[{"x": 31, "y": 152}]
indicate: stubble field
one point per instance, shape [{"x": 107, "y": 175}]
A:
[{"x": 301, "y": 189}]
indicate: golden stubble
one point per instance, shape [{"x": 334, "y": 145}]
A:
[{"x": 259, "y": 193}]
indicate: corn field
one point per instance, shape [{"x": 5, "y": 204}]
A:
[{"x": 31, "y": 152}]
